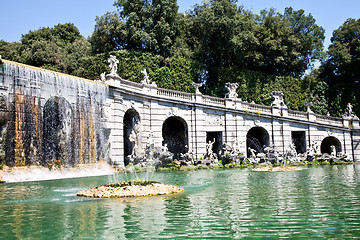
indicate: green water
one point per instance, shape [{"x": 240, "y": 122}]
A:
[{"x": 314, "y": 203}]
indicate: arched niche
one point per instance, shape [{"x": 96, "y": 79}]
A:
[
  {"x": 57, "y": 131},
  {"x": 175, "y": 135},
  {"x": 257, "y": 138},
  {"x": 327, "y": 142},
  {"x": 131, "y": 130}
]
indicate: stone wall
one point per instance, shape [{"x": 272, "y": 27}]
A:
[{"x": 50, "y": 118}]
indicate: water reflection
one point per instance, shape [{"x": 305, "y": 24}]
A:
[{"x": 319, "y": 202}]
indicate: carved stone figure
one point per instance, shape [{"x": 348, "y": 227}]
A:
[
  {"x": 209, "y": 151},
  {"x": 237, "y": 146},
  {"x": 332, "y": 151},
  {"x": 308, "y": 105},
  {"x": 189, "y": 156},
  {"x": 278, "y": 99},
  {"x": 252, "y": 152},
  {"x": 349, "y": 111},
  {"x": 146, "y": 80},
  {"x": 231, "y": 87},
  {"x": 102, "y": 77},
  {"x": 113, "y": 62},
  {"x": 197, "y": 86}
]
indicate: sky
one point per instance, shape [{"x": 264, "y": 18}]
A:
[{"x": 20, "y": 16}]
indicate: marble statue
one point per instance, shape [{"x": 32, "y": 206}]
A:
[
  {"x": 308, "y": 105},
  {"x": 231, "y": 87},
  {"x": 332, "y": 151},
  {"x": 146, "y": 80},
  {"x": 113, "y": 62},
  {"x": 278, "y": 99},
  {"x": 209, "y": 151},
  {"x": 349, "y": 111},
  {"x": 197, "y": 86},
  {"x": 102, "y": 77}
]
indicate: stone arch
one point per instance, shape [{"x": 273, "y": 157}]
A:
[
  {"x": 327, "y": 142},
  {"x": 131, "y": 128},
  {"x": 175, "y": 135},
  {"x": 257, "y": 138},
  {"x": 58, "y": 121}
]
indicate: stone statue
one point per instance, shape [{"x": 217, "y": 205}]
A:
[
  {"x": 308, "y": 105},
  {"x": 146, "y": 80},
  {"x": 252, "y": 152},
  {"x": 150, "y": 146},
  {"x": 349, "y": 111},
  {"x": 236, "y": 147},
  {"x": 332, "y": 151},
  {"x": 231, "y": 87},
  {"x": 209, "y": 151},
  {"x": 270, "y": 151},
  {"x": 278, "y": 99},
  {"x": 197, "y": 86},
  {"x": 102, "y": 77},
  {"x": 188, "y": 156},
  {"x": 113, "y": 62}
]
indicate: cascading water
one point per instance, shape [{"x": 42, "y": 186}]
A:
[{"x": 53, "y": 119}]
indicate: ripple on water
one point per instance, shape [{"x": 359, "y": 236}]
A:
[{"x": 315, "y": 203}]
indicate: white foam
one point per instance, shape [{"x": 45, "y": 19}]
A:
[{"x": 42, "y": 174}]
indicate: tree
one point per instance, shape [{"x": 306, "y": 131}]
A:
[
  {"x": 59, "y": 48},
  {"x": 224, "y": 38},
  {"x": 10, "y": 50},
  {"x": 110, "y": 33},
  {"x": 289, "y": 42},
  {"x": 150, "y": 24},
  {"x": 342, "y": 68}
]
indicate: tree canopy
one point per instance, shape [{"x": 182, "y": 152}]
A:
[{"x": 215, "y": 42}]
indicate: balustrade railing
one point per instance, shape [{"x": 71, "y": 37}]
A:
[
  {"x": 244, "y": 105},
  {"x": 174, "y": 94},
  {"x": 213, "y": 100},
  {"x": 329, "y": 119},
  {"x": 297, "y": 114},
  {"x": 131, "y": 83},
  {"x": 255, "y": 107}
]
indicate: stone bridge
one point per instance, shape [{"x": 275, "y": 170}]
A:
[{"x": 52, "y": 118}]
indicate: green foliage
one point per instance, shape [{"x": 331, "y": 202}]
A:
[
  {"x": 290, "y": 42},
  {"x": 341, "y": 70},
  {"x": 214, "y": 43},
  {"x": 318, "y": 93},
  {"x": 59, "y": 48},
  {"x": 10, "y": 51},
  {"x": 172, "y": 73},
  {"x": 146, "y": 25},
  {"x": 109, "y": 34}
]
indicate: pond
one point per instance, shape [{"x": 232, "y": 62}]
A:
[{"x": 319, "y": 202}]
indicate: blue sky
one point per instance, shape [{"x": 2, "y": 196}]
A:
[{"x": 20, "y": 16}]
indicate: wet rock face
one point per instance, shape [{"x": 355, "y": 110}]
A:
[
  {"x": 52, "y": 118},
  {"x": 57, "y": 129}
]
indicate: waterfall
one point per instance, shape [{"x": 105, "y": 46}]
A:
[{"x": 54, "y": 119}]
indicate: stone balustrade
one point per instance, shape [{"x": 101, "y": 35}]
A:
[
  {"x": 255, "y": 107},
  {"x": 220, "y": 102},
  {"x": 297, "y": 114}
]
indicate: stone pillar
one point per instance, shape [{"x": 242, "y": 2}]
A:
[
  {"x": 276, "y": 110},
  {"x": 346, "y": 121},
  {"x": 356, "y": 145},
  {"x": 355, "y": 122}
]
